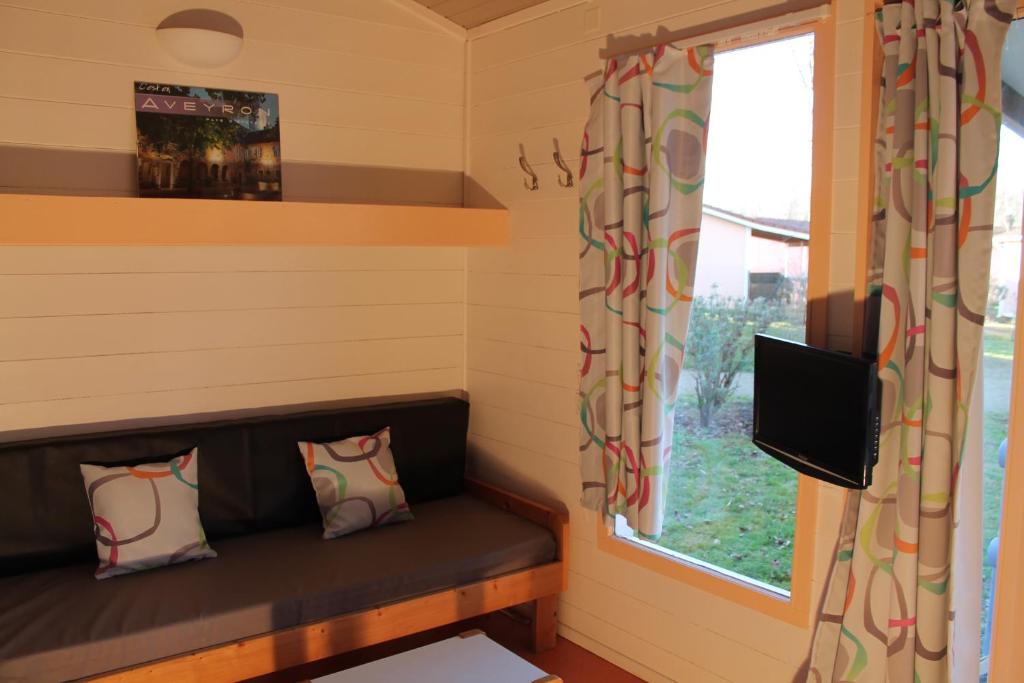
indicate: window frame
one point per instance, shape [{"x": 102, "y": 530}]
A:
[
  {"x": 1005, "y": 655},
  {"x": 793, "y": 606},
  {"x": 1006, "y": 658}
]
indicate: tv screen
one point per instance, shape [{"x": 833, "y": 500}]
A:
[{"x": 816, "y": 410}]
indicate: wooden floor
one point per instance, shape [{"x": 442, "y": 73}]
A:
[{"x": 568, "y": 660}]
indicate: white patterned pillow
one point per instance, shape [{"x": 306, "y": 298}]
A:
[
  {"x": 146, "y": 516},
  {"x": 356, "y": 483}
]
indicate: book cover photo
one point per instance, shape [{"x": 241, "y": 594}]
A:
[{"x": 207, "y": 143}]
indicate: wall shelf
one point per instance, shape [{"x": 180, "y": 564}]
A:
[{"x": 105, "y": 221}]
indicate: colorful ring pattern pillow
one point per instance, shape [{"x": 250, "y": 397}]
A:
[
  {"x": 146, "y": 516},
  {"x": 356, "y": 483}
]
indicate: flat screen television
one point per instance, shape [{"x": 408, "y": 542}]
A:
[{"x": 816, "y": 410}]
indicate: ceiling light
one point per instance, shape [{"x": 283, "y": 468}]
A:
[{"x": 201, "y": 37}]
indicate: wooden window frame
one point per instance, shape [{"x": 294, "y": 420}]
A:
[
  {"x": 1006, "y": 657},
  {"x": 793, "y": 607}
]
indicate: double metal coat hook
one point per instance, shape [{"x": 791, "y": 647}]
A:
[
  {"x": 532, "y": 184},
  {"x": 560, "y": 162}
]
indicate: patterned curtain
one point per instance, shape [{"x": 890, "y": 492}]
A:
[
  {"x": 641, "y": 184},
  {"x": 887, "y": 612}
]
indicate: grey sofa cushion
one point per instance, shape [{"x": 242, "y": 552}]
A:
[{"x": 61, "y": 623}]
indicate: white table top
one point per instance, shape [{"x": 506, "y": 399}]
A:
[{"x": 468, "y": 658}]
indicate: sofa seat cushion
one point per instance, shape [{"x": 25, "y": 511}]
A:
[{"x": 60, "y": 624}]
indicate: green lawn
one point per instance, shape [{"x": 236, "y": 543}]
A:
[
  {"x": 729, "y": 504},
  {"x": 733, "y": 506},
  {"x": 999, "y": 340}
]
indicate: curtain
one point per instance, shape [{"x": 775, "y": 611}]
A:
[
  {"x": 887, "y": 610},
  {"x": 641, "y": 184}
]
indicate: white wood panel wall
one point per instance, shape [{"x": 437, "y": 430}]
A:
[
  {"x": 522, "y": 331},
  {"x": 100, "y": 334}
]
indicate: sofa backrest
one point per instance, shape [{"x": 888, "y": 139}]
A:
[{"x": 251, "y": 475}]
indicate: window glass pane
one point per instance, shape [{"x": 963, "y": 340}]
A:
[
  {"x": 730, "y": 505},
  {"x": 759, "y": 144},
  {"x": 1000, "y": 319}
]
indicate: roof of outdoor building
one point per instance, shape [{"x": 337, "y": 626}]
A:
[{"x": 784, "y": 229}]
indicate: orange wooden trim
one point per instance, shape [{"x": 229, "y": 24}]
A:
[
  {"x": 63, "y": 220},
  {"x": 557, "y": 521},
  {"x": 1006, "y": 663},
  {"x": 309, "y": 643},
  {"x": 712, "y": 32},
  {"x": 869, "y": 96},
  {"x": 777, "y": 34},
  {"x": 804, "y": 545},
  {"x": 821, "y": 182}
]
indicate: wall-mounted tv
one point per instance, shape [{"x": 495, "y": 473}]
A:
[{"x": 816, "y": 410}]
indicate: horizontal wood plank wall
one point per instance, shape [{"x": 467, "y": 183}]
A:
[
  {"x": 372, "y": 109},
  {"x": 522, "y": 329}
]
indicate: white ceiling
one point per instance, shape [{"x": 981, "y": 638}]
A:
[{"x": 472, "y": 13}]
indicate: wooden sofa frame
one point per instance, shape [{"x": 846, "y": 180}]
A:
[{"x": 287, "y": 648}]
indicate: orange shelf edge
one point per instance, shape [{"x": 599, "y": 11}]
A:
[{"x": 51, "y": 220}]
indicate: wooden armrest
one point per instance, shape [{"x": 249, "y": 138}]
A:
[{"x": 557, "y": 521}]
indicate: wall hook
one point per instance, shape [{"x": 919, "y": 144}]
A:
[
  {"x": 532, "y": 184},
  {"x": 560, "y": 162}
]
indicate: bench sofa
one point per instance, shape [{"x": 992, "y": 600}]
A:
[{"x": 277, "y": 596}]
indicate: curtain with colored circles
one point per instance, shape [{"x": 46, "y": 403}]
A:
[
  {"x": 641, "y": 186},
  {"x": 887, "y": 613}
]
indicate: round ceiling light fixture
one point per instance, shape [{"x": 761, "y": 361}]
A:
[{"x": 201, "y": 37}]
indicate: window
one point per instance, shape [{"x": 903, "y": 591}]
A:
[
  {"x": 1000, "y": 323},
  {"x": 730, "y": 505},
  {"x": 731, "y": 517}
]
